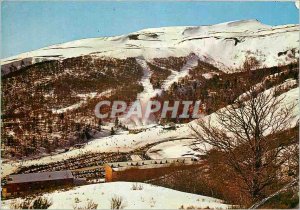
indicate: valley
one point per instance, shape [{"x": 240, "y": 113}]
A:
[{"x": 49, "y": 97}]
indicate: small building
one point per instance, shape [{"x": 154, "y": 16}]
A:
[
  {"x": 135, "y": 131},
  {"x": 21, "y": 183},
  {"x": 135, "y": 158},
  {"x": 170, "y": 126},
  {"x": 78, "y": 146},
  {"x": 146, "y": 169}
]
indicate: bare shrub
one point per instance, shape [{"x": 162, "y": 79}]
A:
[
  {"x": 90, "y": 205},
  {"x": 41, "y": 203},
  {"x": 31, "y": 203},
  {"x": 20, "y": 204},
  {"x": 242, "y": 134},
  {"x": 117, "y": 202},
  {"x": 137, "y": 186},
  {"x": 77, "y": 200}
]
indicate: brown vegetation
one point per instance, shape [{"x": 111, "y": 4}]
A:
[{"x": 29, "y": 95}]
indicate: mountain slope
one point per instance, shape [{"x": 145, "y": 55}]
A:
[{"x": 224, "y": 45}]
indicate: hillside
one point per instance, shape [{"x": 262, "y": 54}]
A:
[{"x": 155, "y": 142}]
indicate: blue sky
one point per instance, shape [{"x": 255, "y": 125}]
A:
[{"x": 31, "y": 25}]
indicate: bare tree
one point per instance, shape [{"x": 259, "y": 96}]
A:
[{"x": 246, "y": 133}]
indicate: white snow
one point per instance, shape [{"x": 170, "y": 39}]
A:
[
  {"x": 207, "y": 75},
  {"x": 148, "y": 92},
  {"x": 149, "y": 197},
  {"x": 69, "y": 108},
  {"x": 84, "y": 98},
  {"x": 287, "y": 84},
  {"x": 224, "y": 45},
  {"x": 174, "y": 149},
  {"x": 90, "y": 95},
  {"x": 184, "y": 71}
]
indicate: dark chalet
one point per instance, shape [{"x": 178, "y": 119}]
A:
[{"x": 21, "y": 183}]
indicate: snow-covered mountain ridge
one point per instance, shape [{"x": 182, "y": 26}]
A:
[{"x": 224, "y": 45}]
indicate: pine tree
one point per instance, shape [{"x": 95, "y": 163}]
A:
[
  {"x": 116, "y": 121},
  {"x": 112, "y": 131}
]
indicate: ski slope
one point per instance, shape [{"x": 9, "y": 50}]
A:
[
  {"x": 184, "y": 71},
  {"x": 149, "y": 92}
]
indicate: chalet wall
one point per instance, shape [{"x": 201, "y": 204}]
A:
[
  {"x": 14, "y": 189},
  {"x": 140, "y": 175}
]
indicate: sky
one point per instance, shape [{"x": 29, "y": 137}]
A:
[{"x": 32, "y": 25}]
